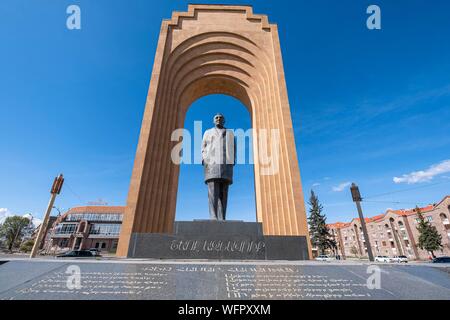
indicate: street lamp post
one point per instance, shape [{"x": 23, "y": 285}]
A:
[
  {"x": 56, "y": 189},
  {"x": 356, "y": 195},
  {"x": 59, "y": 211}
]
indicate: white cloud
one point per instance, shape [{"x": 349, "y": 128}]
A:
[
  {"x": 342, "y": 187},
  {"x": 36, "y": 222},
  {"x": 315, "y": 184},
  {"x": 424, "y": 175},
  {"x": 4, "y": 213}
]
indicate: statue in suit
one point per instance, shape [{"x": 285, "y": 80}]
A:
[{"x": 218, "y": 159}]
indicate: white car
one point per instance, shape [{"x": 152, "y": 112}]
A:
[
  {"x": 400, "y": 259},
  {"x": 382, "y": 259},
  {"x": 324, "y": 257}
]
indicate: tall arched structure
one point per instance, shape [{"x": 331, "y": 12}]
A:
[{"x": 214, "y": 49}]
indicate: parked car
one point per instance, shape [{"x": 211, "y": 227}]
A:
[
  {"x": 95, "y": 252},
  {"x": 76, "y": 254},
  {"x": 399, "y": 259},
  {"x": 324, "y": 257},
  {"x": 441, "y": 260},
  {"x": 382, "y": 259}
]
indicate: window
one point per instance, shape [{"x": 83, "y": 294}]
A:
[
  {"x": 444, "y": 219},
  {"x": 116, "y": 217},
  {"x": 429, "y": 219},
  {"x": 66, "y": 228},
  {"x": 105, "y": 229}
]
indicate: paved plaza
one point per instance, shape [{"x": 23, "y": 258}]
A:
[{"x": 211, "y": 280}]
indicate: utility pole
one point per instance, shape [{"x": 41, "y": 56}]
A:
[
  {"x": 56, "y": 189},
  {"x": 356, "y": 195}
]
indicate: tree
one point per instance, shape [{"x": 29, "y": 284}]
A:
[
  {"x": 354, "y": 251},
  {"x": 27, "y": 245},
  {"x": 13, "y": 229},
  {"x": 318, "y": 229},
  {"x": 429, "y": 238}
]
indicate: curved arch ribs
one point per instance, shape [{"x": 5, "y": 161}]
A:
[{"x": 214, "y": 49}]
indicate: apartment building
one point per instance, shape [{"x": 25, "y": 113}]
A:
[{"x": 393, "y": 233}]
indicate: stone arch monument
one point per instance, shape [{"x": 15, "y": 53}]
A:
[{"x": 214, "y": 49}]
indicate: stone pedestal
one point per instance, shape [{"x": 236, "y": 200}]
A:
[{"x": 229, "y": 240}]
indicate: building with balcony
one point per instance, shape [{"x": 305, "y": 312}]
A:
[
  {"x": 86, "y": 228},
  {"x": 393, "y": 233}
]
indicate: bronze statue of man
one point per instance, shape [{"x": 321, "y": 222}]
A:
[{"x": 219, "y": 157}]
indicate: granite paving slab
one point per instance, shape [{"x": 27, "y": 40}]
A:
[{"x": 31, "y": 280}]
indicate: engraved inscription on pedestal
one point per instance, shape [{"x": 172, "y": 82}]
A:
[
  {"x": 288, "y": 283},
  {"x": 199, "y": 281},
  {"x": 243, "y": 247},
  {"x": 231, "y": 240}
]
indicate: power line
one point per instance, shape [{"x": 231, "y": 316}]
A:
[
  {"x": 396, "y": 202},
  {"x": 406, "y": 190},
  {"x": 75, "y": 194}
]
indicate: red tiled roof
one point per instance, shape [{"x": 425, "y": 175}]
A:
[
  {"x": 378, "y": 217},
  {"x": 401, "y": 212},
  {"x": 409, "y": 212},
  {"x": 337, "y": 225}
]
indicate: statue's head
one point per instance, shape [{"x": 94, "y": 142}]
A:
[{"x": 219, "y": 120}]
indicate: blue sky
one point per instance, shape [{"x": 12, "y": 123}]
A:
[{"x": 367, "y": 106}]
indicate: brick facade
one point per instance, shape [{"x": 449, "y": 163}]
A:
[
  {"x": 87, "y": 227},
  {"x": 393, "y": 233}
]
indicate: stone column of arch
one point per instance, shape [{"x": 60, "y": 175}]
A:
[{"x": 215, "y": 49}]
